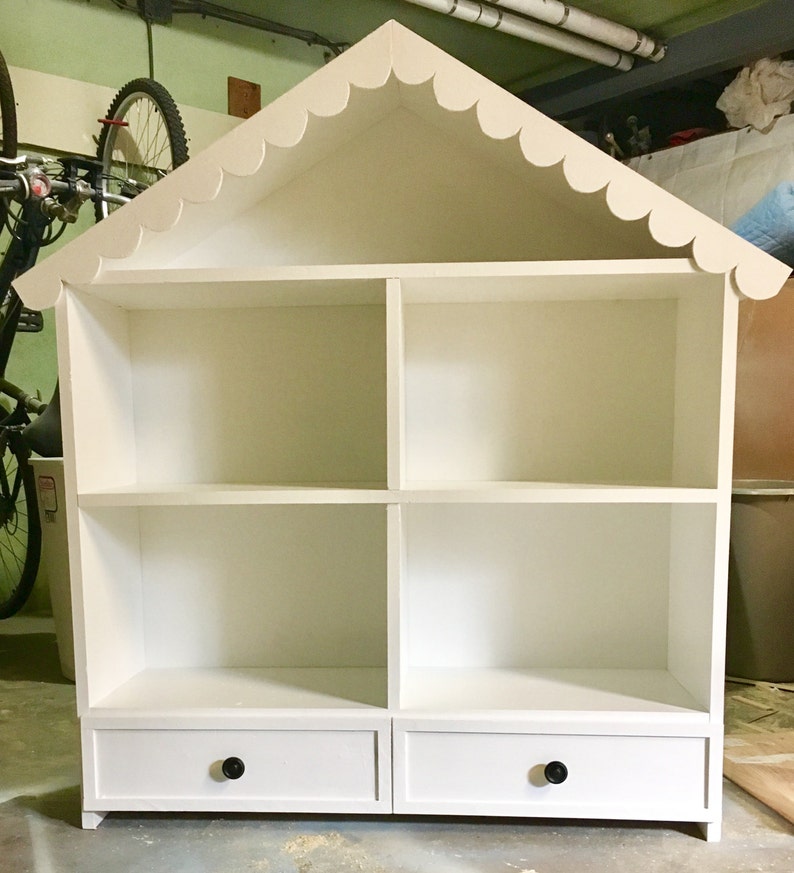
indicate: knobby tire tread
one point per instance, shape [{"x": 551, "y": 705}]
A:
[
  {"x": 8, "y": 109},
  {"x": 171, "y": 117},
  {"x": 17, "y": 598}
]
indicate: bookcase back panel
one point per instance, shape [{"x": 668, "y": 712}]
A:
[
  {"x": 509, "y": 384},
  {"x": 271, "y": 586},
  {"x": 555, "y": 391},
  {"x": 294, "y": 586},
  {"x": 277, "y": 394},
  {"x": 537, "y": 586},
  {"x": 408, "y": 191},
  {"x": 570, "y": 585}
]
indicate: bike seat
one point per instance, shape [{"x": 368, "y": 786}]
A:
[{"x": 43, "y": 434}]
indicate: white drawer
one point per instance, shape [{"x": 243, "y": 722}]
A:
[
  {"x": 478, "y": 773},
  {"x": 284, "y": 770}
]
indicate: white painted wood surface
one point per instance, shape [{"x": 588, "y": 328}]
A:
[
  {"x": 465, "y": 772},
  {"x": 329, "y": 767},
  {"x": 341, "y": 467}
]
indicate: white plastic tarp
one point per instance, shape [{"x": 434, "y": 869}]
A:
[{"x": 723, "y": 176}]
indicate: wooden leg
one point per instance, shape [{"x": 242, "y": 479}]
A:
[
  {"x": 712, "y": 830},
  {"x": 92, "y": 820}
]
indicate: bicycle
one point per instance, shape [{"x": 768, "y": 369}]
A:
[{"x": 141, "y": 139}]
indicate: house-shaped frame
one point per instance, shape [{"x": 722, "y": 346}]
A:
[{"x": 397, "y": 444}]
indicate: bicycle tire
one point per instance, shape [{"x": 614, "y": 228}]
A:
[
  {"x": 142, "y": 139},
  {"x": 20, "y": 533},
  {"x": 8, "y": 113}
]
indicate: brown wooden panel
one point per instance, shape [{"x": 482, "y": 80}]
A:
[
  {"x": 764, "y": 429},
  {"x": 244, "y": 98},
  {"x": 763, "y": 764}
]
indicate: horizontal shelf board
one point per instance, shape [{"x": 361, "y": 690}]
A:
[
  {"x": 552, "y": 492},
  {"x": 237, "y": 688},
  {"x": 365, "y": 283},
  {"x": 415, "y": 492},
  {"x": 230, "y": 494},
  {"x": 223, "y": 291},
  {"x": 632, "y": 284},
  {"x": 586, "y": 691}
]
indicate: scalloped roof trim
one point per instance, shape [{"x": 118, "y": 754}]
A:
[{"x": 393, "y": 53}]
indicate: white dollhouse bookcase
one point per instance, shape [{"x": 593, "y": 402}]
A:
[{"x": 398, "y": 454}]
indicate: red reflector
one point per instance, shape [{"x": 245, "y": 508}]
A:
[{"x": 39, "y": 186}]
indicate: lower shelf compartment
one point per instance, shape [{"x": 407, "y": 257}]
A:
[
  {"x": 170, "y": 690},
  {"x": 591, "y": 692},
  {"x": 330, "y": 767}
]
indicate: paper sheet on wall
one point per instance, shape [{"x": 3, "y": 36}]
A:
[{"x": 725, "y": 175}]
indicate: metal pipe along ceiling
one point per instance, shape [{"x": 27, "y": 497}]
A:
[
  {"x": 587, "y": 24},
  {"x": 517, "y": 25}
]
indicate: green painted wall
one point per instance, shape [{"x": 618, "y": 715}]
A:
[{"x": 98, "y": 43}]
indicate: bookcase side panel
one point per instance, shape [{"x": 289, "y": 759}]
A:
[
  {"x": 97, "y": 386},
  {"x": 693, "y": 535},
  {"x": 112, "y": 599},
  {"x": 698, "y": 383}
]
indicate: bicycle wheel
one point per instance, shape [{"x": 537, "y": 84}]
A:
[
  {"x": 20, "y": 531},
  {"x": 8, "y": 127},
  {"x": 142, "y": 139},
  {"x": 8, "y": 113}
]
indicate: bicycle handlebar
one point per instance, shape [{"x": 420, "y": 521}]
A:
[{"x": 31, "y": 181}]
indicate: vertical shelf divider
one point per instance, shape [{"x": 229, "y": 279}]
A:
[
  {"x": 395, "y": 625},
  {"x": 395, "y": 378},
  {"x": 395, "y": 452}
]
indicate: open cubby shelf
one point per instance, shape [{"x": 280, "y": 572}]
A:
[
  {"x": 503, "y": 384},
  {"x": 507, "y": 487},
  {"x": 468, "y": 495}
]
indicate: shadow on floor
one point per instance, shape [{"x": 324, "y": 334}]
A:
[
  {"x": 30, "y": 658},
  {"x": 62, "y": 805}
]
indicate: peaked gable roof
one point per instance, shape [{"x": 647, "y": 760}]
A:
[{"x": 541, "y": 168}]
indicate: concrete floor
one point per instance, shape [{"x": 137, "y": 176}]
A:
[{"x": 40, "y": 811}]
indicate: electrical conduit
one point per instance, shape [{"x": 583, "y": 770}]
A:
[{"x": 517, "y": 25}]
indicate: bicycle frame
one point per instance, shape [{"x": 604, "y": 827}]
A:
[
  {"x": 21, "y": 255},
  {"x": 35, "y": 194},
  {"x": 79, "y": 183},
  {"x": 11, "y": 437}
]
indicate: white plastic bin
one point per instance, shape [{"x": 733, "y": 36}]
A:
[
  {"x": 760, "y": 641},
  {"x": 55, "y": 554}
]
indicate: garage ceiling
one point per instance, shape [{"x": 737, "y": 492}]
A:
[
  {"x": 706, "y": 39},
  {"x": 507, "y": 60}
]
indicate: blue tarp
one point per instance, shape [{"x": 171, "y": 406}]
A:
[{"x": 770, "y": 223}]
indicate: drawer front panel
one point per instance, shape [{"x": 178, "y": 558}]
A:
[
  {"x": 449, "y": 772},
  {"x": 282, "y": 768}
]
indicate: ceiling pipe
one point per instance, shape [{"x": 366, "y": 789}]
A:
[
  {"x": 497, "y": 19},
  {"x": 587, "y": 24}
]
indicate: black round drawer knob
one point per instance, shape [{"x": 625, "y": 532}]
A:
[
  {"x": 555, "y": 772},
  {"x": 233, "y": 768}
]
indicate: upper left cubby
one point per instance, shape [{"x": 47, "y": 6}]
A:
[{"x": 208, "y": 382}]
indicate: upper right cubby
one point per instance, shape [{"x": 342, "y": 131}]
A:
[{"x": 578, "y": 373}]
